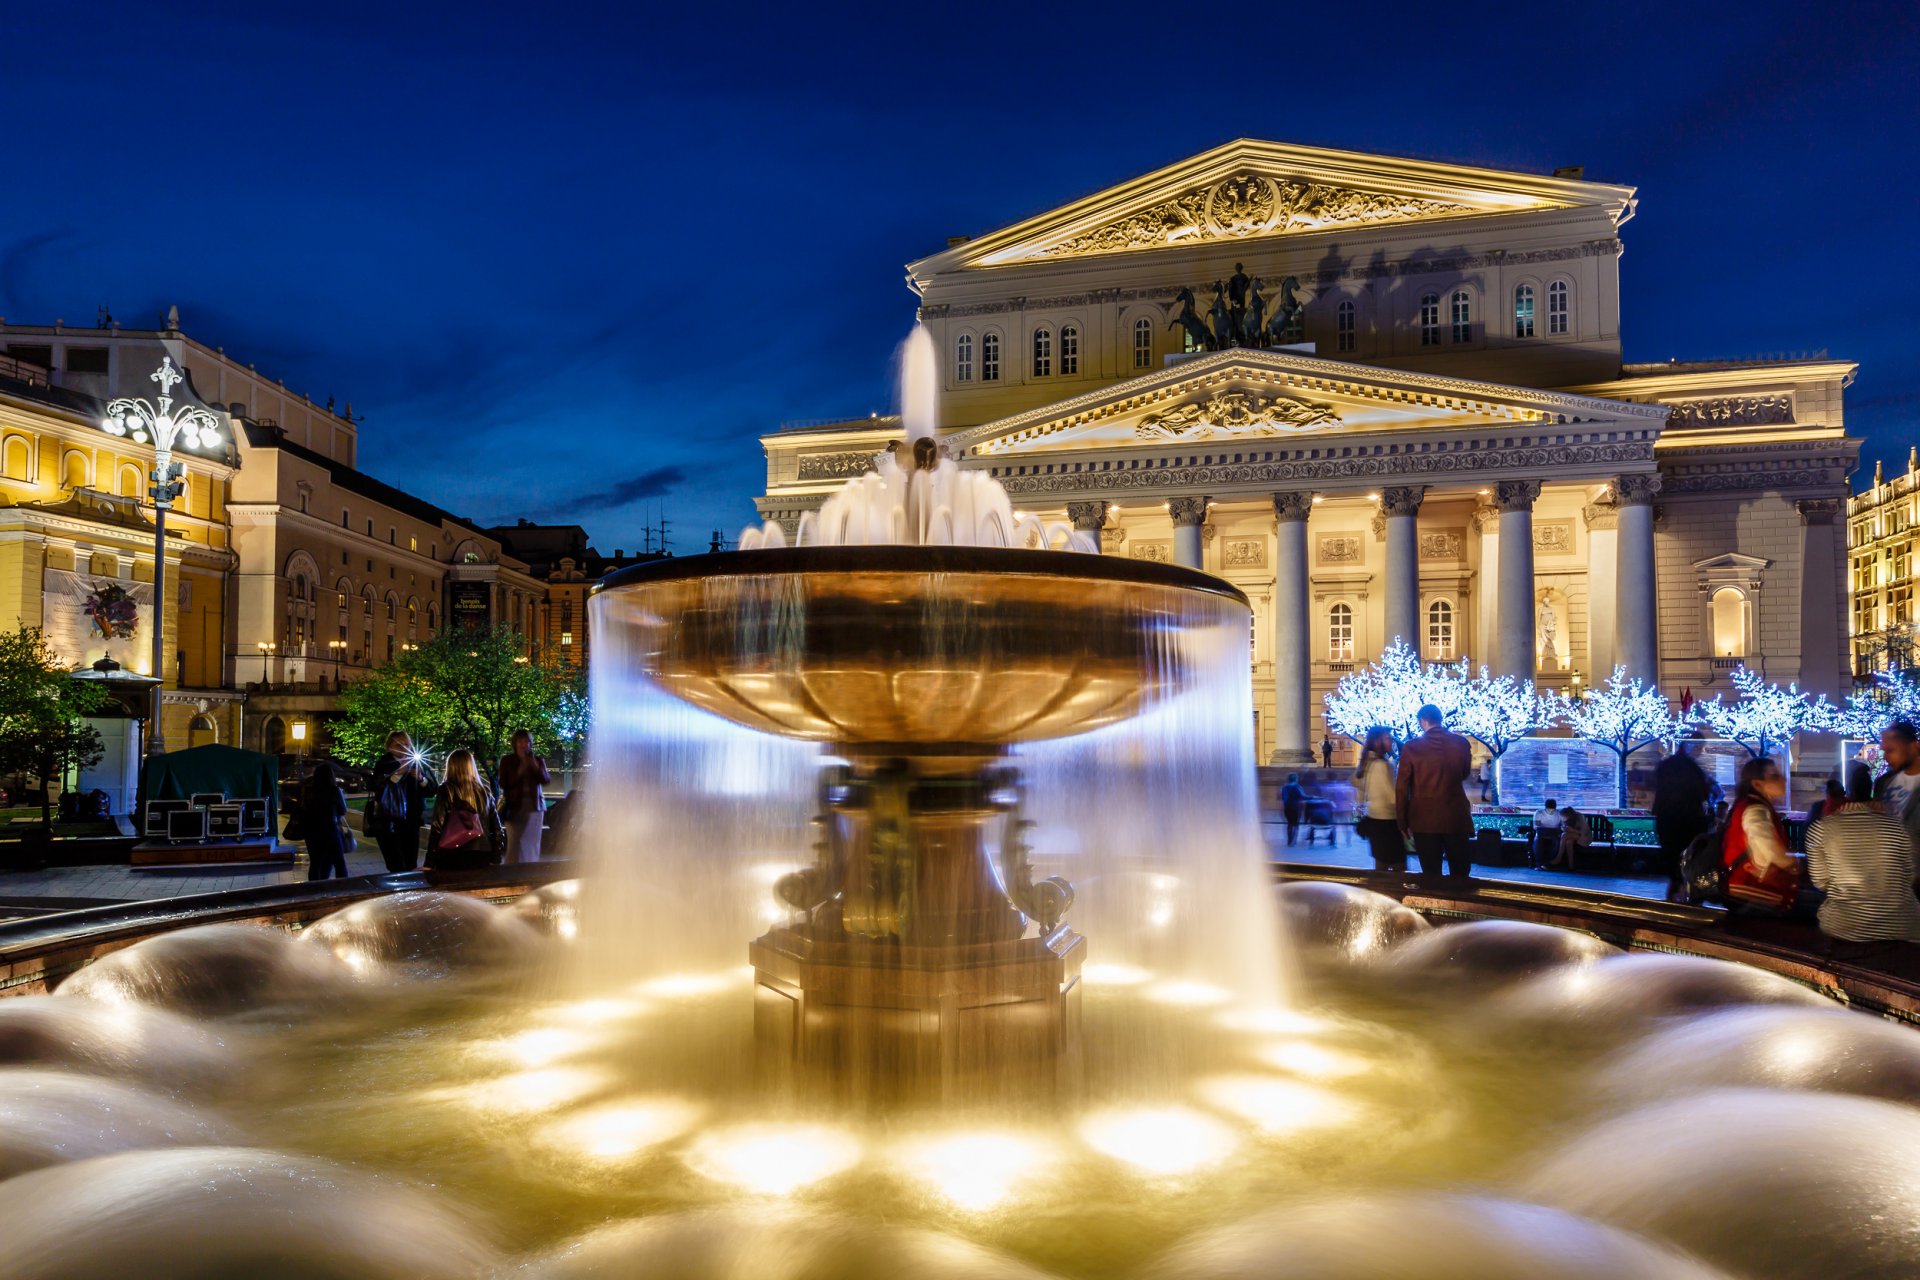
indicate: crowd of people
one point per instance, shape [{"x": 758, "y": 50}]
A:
[{"x": 468, "y": 823}]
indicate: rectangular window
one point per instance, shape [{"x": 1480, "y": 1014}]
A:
[
  {"x": 566, "y": 637},
  {"x": 1462, "y": 316},
  {"x": 1143, "y": 344},
  {"x": 86, "y": 359},
  {"x": 1042, "y": 353},
  {"x": 990, "y": 358},
  {"x": 1069, "y": 351},
  {"x": 1430, "y": 320},
  {"x": 1523, "y": 312},
  {"x": 1346, "y": 326},
  {"x": 963, "y": 359},
  {"x": 1557, "y": 318}
]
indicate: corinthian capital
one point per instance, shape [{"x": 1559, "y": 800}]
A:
[
  {"x": 1516, "y": 495},
  {"x": 1088, "y": 517},
  {"x": 1634, "y": 490},
  {"x": 1402, "y": 500},
  {"x": 1292, "y": 506},
  {"x": 1817, "y": 510},
  {"x": 1188, "y": 511}
]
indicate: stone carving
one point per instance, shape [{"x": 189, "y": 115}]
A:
[
  {"x": 1634, "y": 490},
  {"x": 1234, "y": 413},
  {"x": 1402, "y": 500},
  {"x": 1439, "y": 546},
  {"x": 1601, "y": 515},
  {"x": 1189, "y": 320},
  {"x": 1249, "y": 204},
  {"x": 1112, "y": 538},
  {"x": 1555, "y": 537},
  {"x": 1339, "y": 548},
  {"x": 1245, "y": 553},
  {"x": 1158, "y": 552},
  {"x": 1818, "y": 510},
  {"x": 1188, "y": 511},
  {"x": 1089, "y": 517},
  {"x": 835, "y": 466},
  {"x": 1516, "y": 495},
  {"x": 1292, "y": 506},
  {"x": 1548, "y": 624},
  {"x": 1734, "y": 411},
  {"x": 1303, "y": 470}
]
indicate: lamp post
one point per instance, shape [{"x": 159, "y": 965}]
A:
[
  {"x": 160, "y": 423},
  {"x": 266, "y": 648}
]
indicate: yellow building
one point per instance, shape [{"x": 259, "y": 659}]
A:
[{"x": 1883, "y": 523}]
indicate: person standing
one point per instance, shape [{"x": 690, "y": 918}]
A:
[
  {"x": 1430, "y": 799},
  {"x": 1326, "y": 752},
  {"x": 1862, "y": 857},
  {"x": 1293, "y": 805},
  {"x": 465, "y": 831},
  {"x": 1682, "y": 801},
  {"x": 1899, "y": 787},
  {"x": 398, "y": 808},
  {"x": 523, "y": 800},
  {"x": 1373, "y": 779},
  {"x": 1762, "y": 873},
  {"x": 322, "y": 809}
]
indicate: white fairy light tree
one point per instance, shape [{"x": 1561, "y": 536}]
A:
[
  {"x": 1893, "y": 696},
  {"x": 1764, "y": 718},
  {"x": 1623, "y": 716},
  {"x": 1498, "y": 711},
  {"x": 1390, "y": 692}
]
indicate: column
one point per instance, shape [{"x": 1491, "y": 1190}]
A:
[
  {"x": 1603, "y": 564},
  {"x": 1292, "y": 636},
  {"x": 1088, "y": 518},
  {"x": 1401, "y": 506},
  {"x": 1486, "y": 518},
  {"x": 1823, "y": 602},
  {"x": 1636, "y": 624},
  {"x": 1513, "y": 609},
  {"x": 1189, "y": 514}
]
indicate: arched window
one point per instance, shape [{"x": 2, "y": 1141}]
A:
[
  {"x": 1523, "y": 311},
  {"x": 1558, "y": 297},
  {"x": 1042, "y": 353},
  {"x": 1440, "y": 631},
  {"x": 1346, "y": 325},
  {"x": 1143, "y": 343},
  {"x": 963, "y": 358},
  {"x": 73, "y": 471},
  {"x": 1340, "y": 633},
  {"x": 1462, "y": 316},
  {"x": 1729, "y": 623},
  {"x": 19, "y": 458},
  {"x": 200, "y": 732},
  {"x": 1429, "y": 319},
  {"x": 990, "y": 357},
  {"x": 1069, "y": 350}
]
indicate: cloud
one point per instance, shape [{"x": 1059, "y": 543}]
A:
[{"x": 648, "y": 484}]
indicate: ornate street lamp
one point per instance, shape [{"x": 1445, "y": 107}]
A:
[
  {"x": 266, "y": 648},
  {"x": 162, "y": 424}
]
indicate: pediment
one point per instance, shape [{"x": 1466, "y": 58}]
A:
[
  {"x": 1732, "y": 562},
  {"x": 1249, "y": 189},
  {"x": 1248, "y": 395}
]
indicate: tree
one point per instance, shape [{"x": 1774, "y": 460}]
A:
[
  {"x": 1765, "y": 717},
  {"x": 1622, "y": 716},
  {"x": 463, "y": 688},
  {"x": 1390, "y": 691},
  {"x": 41, "y": 714},
  {"x": 1893, "y": 696},
  {"x": 1498, "y": 711}
]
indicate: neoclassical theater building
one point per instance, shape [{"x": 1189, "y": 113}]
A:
[{"x": 1385, "y": 398}]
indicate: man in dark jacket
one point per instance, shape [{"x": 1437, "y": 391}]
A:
[
  {"x": 1681, "y": 796},
  {"x": 1431, "y": 799}
]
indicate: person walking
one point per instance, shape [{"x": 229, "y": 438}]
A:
[
  {"x": 465, "y": 831},
  {"x": 1899, "y": 786},
  {"x": 1293, "y": 805},
  {"x": 523, "y": 800},
  {"x": 1762, "y": 874},
  {"x": 323, "y": 807},
  {"x": 1861, "y": 856},
  {"x": 1430, "y": 799},
  {"x": 1374, "y": 780},
  {"x": 1682, "y": 803},
  {"x": 397, "y": 809}
]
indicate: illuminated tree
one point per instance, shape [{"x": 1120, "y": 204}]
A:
[
  {"x": 1390, "y": 691},
  {"x": 42, "y": 708},
  {"x": 1622, "y": 716},
  {"x": 1766, "y": 717},
  {"x": 1498, "y": 711},
  {"x": 1892, "y": 697}
]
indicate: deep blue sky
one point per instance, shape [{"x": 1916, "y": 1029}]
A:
[{"x": 571, "y": 260}]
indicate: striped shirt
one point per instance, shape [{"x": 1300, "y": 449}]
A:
[{"x": 1864, "y": 860}]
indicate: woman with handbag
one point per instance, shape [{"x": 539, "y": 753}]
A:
[
  {"x": 323, "y": 811},
  {"x": 1762, "y": 874},
  {"x": 466, "y": 829},
  {"x": 1374, "y": 779}
]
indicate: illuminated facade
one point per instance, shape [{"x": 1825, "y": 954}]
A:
[
  {"x": 1883, "y": 526},
  {"x": 1385, "y": 398}
]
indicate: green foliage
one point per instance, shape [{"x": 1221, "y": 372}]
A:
[
  {"x": 41, "y": 706},
  {"x": 467, "y": 689}
]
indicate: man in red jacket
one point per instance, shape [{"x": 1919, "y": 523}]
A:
[{"x": 1430, "y": 796}]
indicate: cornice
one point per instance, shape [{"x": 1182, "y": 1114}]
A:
[{"x": 1737, "y": 377}]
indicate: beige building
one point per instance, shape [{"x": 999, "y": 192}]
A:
[
  {"x": 1385, "y": 398},
  {"x": 1883, "y": 525}
]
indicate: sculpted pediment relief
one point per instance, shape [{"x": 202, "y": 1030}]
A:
[{"x": 1234, "y": 413}]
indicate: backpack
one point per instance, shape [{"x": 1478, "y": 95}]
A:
[
  {"x": 1702, "y": 874},
  {"x": 388, "y": 807}
]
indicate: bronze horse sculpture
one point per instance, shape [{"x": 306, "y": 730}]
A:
[{"x": 1188, "y": 319}]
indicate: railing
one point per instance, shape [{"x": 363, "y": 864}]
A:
[
  {"x": 808, "y": 424},
  {"x": 1727, "y": 664},
  {"x": 22, "y": 371}
]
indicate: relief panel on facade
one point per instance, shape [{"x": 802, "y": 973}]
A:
[
  {"x": 1235, "y": 413},
  {"x": 1158, "y": 552},
  {"x": 1734, "y": 411},
  {"x": 835, "y": 466},
  {"x": 1439, "y": 546},
  {"x": 1339, "y": 548},
  {"x": 1553, "y": 537},
  {"x": 1244, "y": 553}
]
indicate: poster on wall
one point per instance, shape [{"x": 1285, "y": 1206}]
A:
[
  {"x": 87, "y": 617},
  {"x": 470, "y": 604}
]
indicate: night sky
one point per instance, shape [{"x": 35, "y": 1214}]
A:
[{"x": 569, "y": 261}]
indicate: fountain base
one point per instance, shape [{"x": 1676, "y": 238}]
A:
[{"x": 871, "y": 1018}]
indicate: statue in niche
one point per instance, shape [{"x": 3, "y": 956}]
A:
[
  {"x": 1189, "y": 319},
  {"x": 1548, "y": 623}
]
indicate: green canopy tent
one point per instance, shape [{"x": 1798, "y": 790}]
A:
[{"x": 234, "y": 773}]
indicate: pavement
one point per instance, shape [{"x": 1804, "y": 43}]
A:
[
  {"x": 1349, "y": 850},
  {"x": 65, "y": 888}
]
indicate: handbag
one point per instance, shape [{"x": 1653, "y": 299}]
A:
[{"x": 462, "y": 829}]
